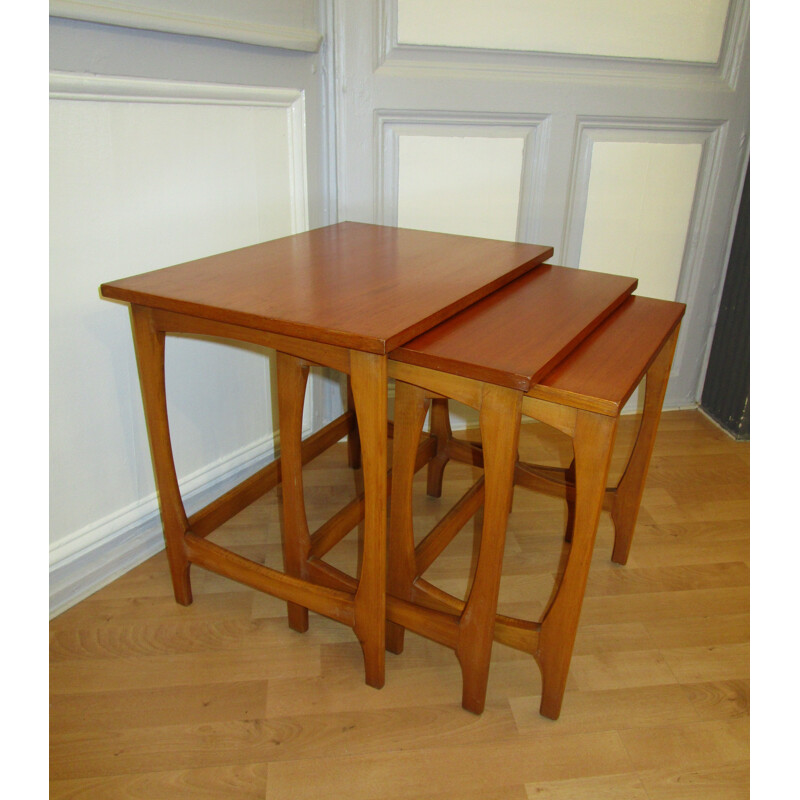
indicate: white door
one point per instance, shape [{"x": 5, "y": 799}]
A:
[{"x": 617, "y": 132}]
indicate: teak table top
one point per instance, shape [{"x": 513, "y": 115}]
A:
[
  {"x": 366, "y": 287},
  {"x": 518, "y": 334},
  {"x": 603, "y": 371}
]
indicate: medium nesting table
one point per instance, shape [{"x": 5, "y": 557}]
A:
[
  {"x": 342, "y": 296},
  {"x": 566, "y": 347}
]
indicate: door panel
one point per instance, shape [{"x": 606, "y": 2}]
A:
[
  {"x": 681, "y": 30},
  {"x": 467, "y": 185},
  {"x": 638, "y": 205}
]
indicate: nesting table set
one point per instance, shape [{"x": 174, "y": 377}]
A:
[{"x": 483, "y": 322}]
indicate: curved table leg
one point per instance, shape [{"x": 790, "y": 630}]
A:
[
  {"x": 440, "y": 428},
  {"x": 628, "y": 494},
  {"x": 369, "y": 383},
  {"x": 499, "y": 421},
  {"x": 292, "y": 379},
  {"x": 353, "y": 439},
  {"x": 410, "y": 409},
  {"x": 569, "y": 477},
  {"x": 593, "y": 442},
  {"x": 149, "y": 343}
]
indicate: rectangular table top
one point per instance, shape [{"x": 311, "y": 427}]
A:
[
  {"x": 519, "y": 333},
  {"x": 366, "y": 287},
  {"x": 603, "y": 371}
]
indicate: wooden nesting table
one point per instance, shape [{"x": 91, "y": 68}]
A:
[
  {"x": 566, "y": 347},
  {"x": 342, "y": 296}
]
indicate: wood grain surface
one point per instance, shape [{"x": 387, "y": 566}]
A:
[
  {"x": 368, "y": 287},
  {"x": 602, "y": 373},
  {"x": 516, "y": 335}
]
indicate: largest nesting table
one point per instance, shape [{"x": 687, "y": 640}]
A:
[{"x": 342, "y": 296}]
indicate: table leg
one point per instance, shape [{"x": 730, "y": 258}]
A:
[
  {"x": 353, "y": 439},
  {"x": 440, "y": 428},
  {"x": 149, "y": 344},
  {"x": 569, "y": 477},
  {"x": 292, "y": 379},
  {"x": 628, "y": 494},
  {"x": 499, "y": 421},
  {"x": 368, "y": 373},
  {"x": 593, "y": 443},
  {"x": 410, "y": 408}
]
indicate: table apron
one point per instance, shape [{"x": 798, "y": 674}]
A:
[{"x": 327, "y": 355}]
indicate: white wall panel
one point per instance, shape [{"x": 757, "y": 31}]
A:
[
  {"x": 472, "y": 173},
  {"x": 639, "y": 204},
  {"x": 145, "y": 174},
  {"x": 677, "y": 30},
  {"x": 466, "y": 185}
]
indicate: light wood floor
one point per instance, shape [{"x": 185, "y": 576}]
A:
[{"x": 221, "y": 700}]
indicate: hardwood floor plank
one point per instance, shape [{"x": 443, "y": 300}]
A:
[
  {"x": 436, "y": 682},
  {"x": 730, "y": 782},
  {"x": 238, "y": 782},
  {"x": 603, "y": 787},
  {"x": 667, "y": 578},
  {"x": 720, "y": 699},
  {"x": 289, "y": 738},
  {"x": 215, "y": 702},
  {"x": 666, "y": 606},
  {"x": 170, "y": 637},
  {"x": 595, "y": 639},
  {"x": 611, "y": 709},
  {"x": 703, "y": 744},
  {"x": 699, "y": 631},
  {"x": 455, "y": 770},
  {"x": 614, "y": 670},
  {"x": 682, "y": 552},
  {"x": 709, "y": 662},
  {"x": 104, "y": 607},
  {"x": 183, "y": 669}
]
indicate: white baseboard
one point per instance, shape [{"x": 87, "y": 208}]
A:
[{"x": 91, "y": 558}]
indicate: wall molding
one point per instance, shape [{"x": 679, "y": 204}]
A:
[
  {"x": 116, "y": 88},
  {"x": 172, "y": 20},
  {"x": 119, "y": 89},
  {"x": 533, "y": 128}
]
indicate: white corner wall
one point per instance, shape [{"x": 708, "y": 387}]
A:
[{"x": 144, "y": 174}]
